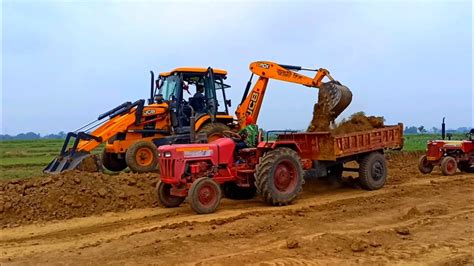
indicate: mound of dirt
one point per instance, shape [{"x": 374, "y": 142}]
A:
[
  {"x": 73, "y": 194},
  {"x": 358, "y": 122}
]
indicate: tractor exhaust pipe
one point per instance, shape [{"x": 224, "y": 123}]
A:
[
  {"x": 152, "y": 87},
  {"x": 192, "y": 124},
  {"x": 443, "y": 130}
]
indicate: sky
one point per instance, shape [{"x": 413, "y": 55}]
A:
[{"x": 66, "y": 62}]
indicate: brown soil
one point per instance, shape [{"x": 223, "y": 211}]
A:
[
  {"x": 322, "y": 115},
  {"x": 414, "y": 219},
  {"x": 358, "y": 122},
  {"x": 73, "y": 194}
]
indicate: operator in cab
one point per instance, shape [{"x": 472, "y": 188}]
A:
[
  {"x": 199, "y": 99},
  {"x": 248, "y": 135}
]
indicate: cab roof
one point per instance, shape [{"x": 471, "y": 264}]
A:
[{"x": 193, "y": 70}]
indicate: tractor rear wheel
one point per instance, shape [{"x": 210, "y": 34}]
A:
[
  {"x": 232, "y": 191},
  {"x": 142, "y": 157},
  {"x": 466, "y": 167},
  {"x": 424, "y": 165},
  {"x": 165, "y": 198},
  {"x": 204, "y": 195},
  {"x": 448, "y": 165},
  {"x": 279, "y": 176},
  {"x": 213, "y": 131},
  {"x": 372, "y": 171},
  {"x": 112, "y": 162}
]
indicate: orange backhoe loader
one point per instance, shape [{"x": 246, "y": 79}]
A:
[
  {"x": 133, "y": 131},
  {"x": 339, "y": 96}
]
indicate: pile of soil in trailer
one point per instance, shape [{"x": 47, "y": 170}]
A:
[
  {"x": 73, "y": 194},
  {"x": 358, "y": 122}
]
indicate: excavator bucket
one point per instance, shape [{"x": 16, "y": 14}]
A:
[
  {"x": 70, "y": 159},
  {"x": 339, "y": 97},
  {"x": 333, "y": 99}
]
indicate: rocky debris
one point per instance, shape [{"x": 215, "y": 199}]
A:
[
  {"x": 404, "y": 231},
  {"x": 359, "y": 245},
  {"x": 292, "y": 243}
]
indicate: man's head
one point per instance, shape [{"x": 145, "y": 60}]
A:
[
  {"x": 249, "y": 120},
  {"x": 199, "y": 88}
]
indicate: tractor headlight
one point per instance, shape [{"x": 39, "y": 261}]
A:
[
  {"x": 159, "y": 154},
  {"x": 167, "y": 154}
]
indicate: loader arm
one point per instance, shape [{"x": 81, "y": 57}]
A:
[
  {"x": 252, "y": 101},
  {"x": 108, "y": 130}
]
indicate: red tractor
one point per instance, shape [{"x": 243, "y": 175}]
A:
[
  {"x": 449, "y": 154},
  {"x": 203, "y": 172}
]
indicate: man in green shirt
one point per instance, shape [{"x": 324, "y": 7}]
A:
[{"x": 248, "y": 134}]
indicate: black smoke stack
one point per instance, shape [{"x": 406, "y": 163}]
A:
[{"x": 443, "y": 130}]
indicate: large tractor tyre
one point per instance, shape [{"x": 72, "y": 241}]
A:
[
  {"x": 466, "y": 167},
  {"x": 111, "y": 162},
  {"x": 448, "y": 165},
  {"x": 204, "y": 195},
  {"x": 213, "y": 131},
  {"x": 232, "y": 191},
  {"x": 279, "y": 176},
  {"x": 142, "y": 157},
  {"x": 165, "y": 198},
  {"x": 424, "y": 165},
  {"x": 372, "y": 171}
]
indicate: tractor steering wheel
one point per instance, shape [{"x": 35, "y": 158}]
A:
[{"x": 231, "y": 134}]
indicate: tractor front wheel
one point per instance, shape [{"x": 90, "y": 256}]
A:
[
  {"x": 142, "y": 157},
  {"x": 372, "y": 171},
  {"x": 279, "y": 176},
  {"x": 165, "y": 198},
  {"x": 448, "y": 165},
  {"x": 204, "y": 195},
  {"x": 424, "y": 165}
]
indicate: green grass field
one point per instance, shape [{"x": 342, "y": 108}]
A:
[{"x": 26, "y": 158}]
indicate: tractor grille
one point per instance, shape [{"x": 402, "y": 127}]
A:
[{"x": 167, "y": 167}]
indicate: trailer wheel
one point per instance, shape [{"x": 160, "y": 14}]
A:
[
  {"x": 111, "y": 162},
  {"x": 372, "y": 171},
  {"x": 424, "y": 165},
  {"x": 213, "y": 131},
  {"x": 232, "y": 191},
  {"x": 164, "y": 196},
  {"x": 142, "y": 156},
  {"x": 279, "y": 176},
  {"x": 204, "y": 195},
  {"x": 448, "y": 165},
  {"x": 466, "y": 167}
]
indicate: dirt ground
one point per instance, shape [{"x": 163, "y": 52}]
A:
[{"x": 414, "y": 219}]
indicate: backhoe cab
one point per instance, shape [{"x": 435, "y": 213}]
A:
[{"x": 133, "y": 131}]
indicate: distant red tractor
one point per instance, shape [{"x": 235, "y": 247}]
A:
[
  {"x": 449, "y": 154},
  {"x": 203, "y": 172}
]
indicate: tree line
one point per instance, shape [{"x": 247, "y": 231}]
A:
[
  {"x": 32, "y": 136},
  {"x": 433, "y": 130}
]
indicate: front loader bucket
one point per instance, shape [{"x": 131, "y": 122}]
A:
[
  {"x": 82, "y": 161},
  {"x": 71, "y": 158}
]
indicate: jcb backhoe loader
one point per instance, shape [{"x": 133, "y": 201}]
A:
[
  {"x": 339, "y": 96},
  {"x": 133, "y": 131}
]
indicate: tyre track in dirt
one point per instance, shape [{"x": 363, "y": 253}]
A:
[{"x": 105, "y": 232}]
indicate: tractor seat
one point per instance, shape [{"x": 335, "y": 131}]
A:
[{"x": 248, "y": 151}]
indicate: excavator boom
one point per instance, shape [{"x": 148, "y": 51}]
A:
[{"x": 338, "y": 96}]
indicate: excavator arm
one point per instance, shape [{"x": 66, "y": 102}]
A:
[{"x": 252, "y": 100}]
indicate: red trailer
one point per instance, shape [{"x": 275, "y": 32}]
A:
[{"x": 202, "y": 172}]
